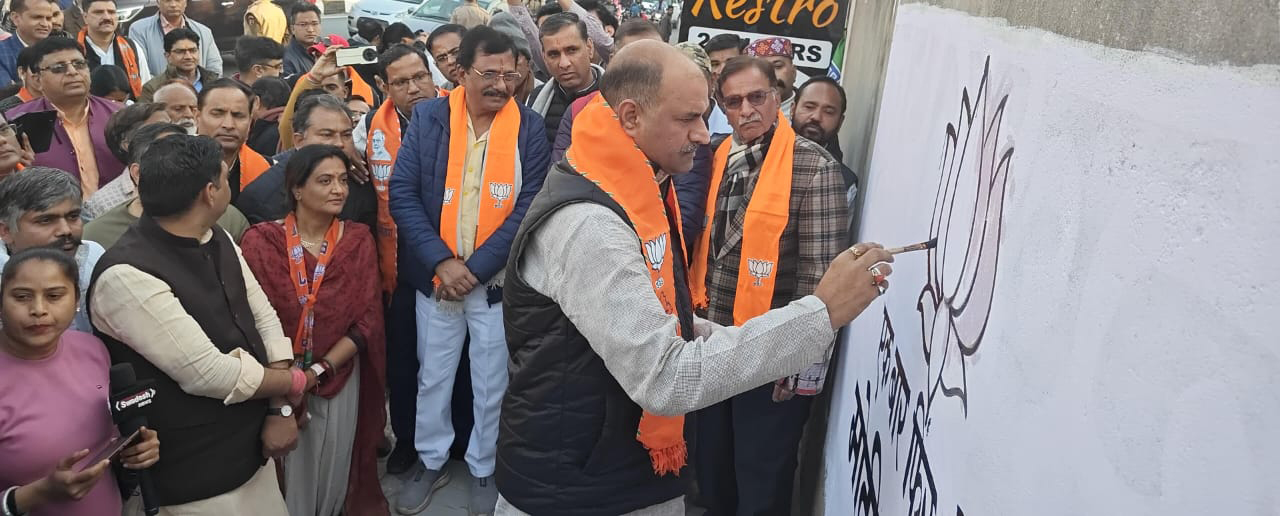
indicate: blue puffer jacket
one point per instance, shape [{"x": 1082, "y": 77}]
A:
[{"x": 417, "y": 192}]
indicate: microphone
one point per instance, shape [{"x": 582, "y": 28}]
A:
[{"x": 129, "y": 400}]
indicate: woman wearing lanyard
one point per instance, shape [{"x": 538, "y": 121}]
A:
[
  {"x": 321, "y": 275},
  {"x": 53, "y": 397}
]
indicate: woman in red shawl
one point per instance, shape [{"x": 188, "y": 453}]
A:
[{"x": 321, "y": 275}]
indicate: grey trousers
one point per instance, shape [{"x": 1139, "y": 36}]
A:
[
  {"x": 316, "y": 472},
  {"x": 672, "y": 507}
]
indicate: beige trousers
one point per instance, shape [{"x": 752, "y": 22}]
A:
[{"x": 260, "y": 496}]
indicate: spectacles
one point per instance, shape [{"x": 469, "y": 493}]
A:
[
  {"x": 451, "y": 55},
  {"x": 277, "y": 67},
  {"x": 78, "y": 65},
  {"x": 7, "y": 129},
  {"x": 509, "y": 77},
  {"x": 756, "y": 98},
  {"x": 418, "y": 78},
  {"x": 307, "y": 25}
]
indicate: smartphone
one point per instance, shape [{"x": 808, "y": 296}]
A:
[
  {"x": 357, "y": 56},
  {"x": 38, "y": 126},
  {"x": 113, "y": 448}
]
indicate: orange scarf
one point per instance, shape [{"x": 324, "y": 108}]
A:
[
  {"x": 359, "y": 88},
  {"x": 604, "y": 154},
  {"x": 25, "y": 94},
  {"x": 441, "y": 92},
  {"x": 386, "y": 123},
  {"x": 130, "y": 58},
  {"x": 499, "y": 171},
  {"x": 252, "y": 165},
  {"x": 767, "y": 214}
]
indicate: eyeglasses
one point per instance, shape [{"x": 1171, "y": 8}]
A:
[
  {"x": 509, "y": 77},
  {"x": 78, "y": 65},
  {"x": 418, "y": 78},
  {"x": 451, "y": 55},
  {"x": 307, "y": 25},
  {"x": 277, "y": 67},
  {"x": 8, "y": 129},
  {"x": 756, "y": 98}
]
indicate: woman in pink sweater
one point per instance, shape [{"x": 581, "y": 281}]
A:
[{"x": 53, "y": 397}]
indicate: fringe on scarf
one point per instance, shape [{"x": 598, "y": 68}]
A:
[{"x": 670, "y": 459}]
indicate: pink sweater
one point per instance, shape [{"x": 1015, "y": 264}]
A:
[{"x": 52, "y": 408}]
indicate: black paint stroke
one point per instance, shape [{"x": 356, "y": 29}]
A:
[
  {"x": 866, "y": 457},
  {"x": 955, "y": 311},
  {"x": 917, "y": 481}
]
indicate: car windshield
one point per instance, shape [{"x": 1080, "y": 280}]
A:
[{"x": 442, "y": 9}]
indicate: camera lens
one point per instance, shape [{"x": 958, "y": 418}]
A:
[{"x": 370, "y": 54}]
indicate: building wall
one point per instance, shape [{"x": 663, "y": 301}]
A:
[{"x": 1097, "y": 331}]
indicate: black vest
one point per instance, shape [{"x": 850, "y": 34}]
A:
[
  {"x": 567, "y": 438},
  {"x": 209, "y": 448}
]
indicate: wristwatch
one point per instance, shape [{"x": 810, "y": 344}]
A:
[{"x": 282, "y": 411}]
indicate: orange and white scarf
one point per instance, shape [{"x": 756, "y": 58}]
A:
[
  {"x": 499, "y": 188},
  {"x": 384, "y": 146},
  {"x": 767, "y": 213},
  {"x": 604, "y": 154}
]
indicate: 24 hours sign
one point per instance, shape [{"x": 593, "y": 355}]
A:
[{"x": 814, "y": 26}]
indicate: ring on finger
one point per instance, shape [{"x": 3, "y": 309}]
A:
[{"x": 876, "y": 275}]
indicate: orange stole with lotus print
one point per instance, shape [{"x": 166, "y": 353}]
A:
[
  {"x": 767, "y": 214},
  {"x": 497, "y": 191}
]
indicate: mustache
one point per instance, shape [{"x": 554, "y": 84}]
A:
[
  {"x": 63, "y": 242},
  {"x": 689, "y": 149},
  {"x": 494, "y": 92}
]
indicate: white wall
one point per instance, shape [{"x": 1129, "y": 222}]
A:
[{"x": 1129, "y": 358}]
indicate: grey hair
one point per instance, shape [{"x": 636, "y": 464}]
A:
[
  {"x": 302, "y": 115},
  {"x": 35, "y": 189},
  {"x": 636, "y": 79}
]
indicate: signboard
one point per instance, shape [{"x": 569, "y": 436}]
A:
[{"x": 815, "y": 27}]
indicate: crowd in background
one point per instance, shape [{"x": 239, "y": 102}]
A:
[{"x": 286, "y": 247}]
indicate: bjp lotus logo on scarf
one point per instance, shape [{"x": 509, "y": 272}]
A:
[
  {"x": 500, "y": 192},
  {"x": 448, "y": 195},
  {"x": 761, "y": 269},
  {"x": 657, "y": 251}
]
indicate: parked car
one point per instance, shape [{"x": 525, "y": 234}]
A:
[
  {"x": 417, "y": 14},
  {"x": 385, "y": 11},
  {"x": 433, "y": 13},
  {"x": 224, "y": 17}
]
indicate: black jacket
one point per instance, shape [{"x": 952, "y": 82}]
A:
[
  {"x": 266, "y": 198},
  {"x": 567, "y": 439}
]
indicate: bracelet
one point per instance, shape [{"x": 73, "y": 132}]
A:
[
  {"x": 9, "y": 502},
  {"x": 299, "y": 382}
]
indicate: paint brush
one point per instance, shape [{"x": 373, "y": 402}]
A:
[{"x": 932, "y": 243}]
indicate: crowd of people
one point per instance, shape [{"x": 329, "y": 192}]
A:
[{"x": 620, "y": 262}]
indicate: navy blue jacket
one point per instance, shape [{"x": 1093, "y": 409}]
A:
[
  {"x": 417, "y": 192},
  {"x": 9, "y": 49}
]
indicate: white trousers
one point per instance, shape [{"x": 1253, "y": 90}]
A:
[{"x": 440, "y": 337}]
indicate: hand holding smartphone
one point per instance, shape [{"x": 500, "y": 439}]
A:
[{"x": 111, "y": 450}]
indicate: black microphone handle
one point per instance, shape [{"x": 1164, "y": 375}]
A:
[{"x": 145, "y": 485}]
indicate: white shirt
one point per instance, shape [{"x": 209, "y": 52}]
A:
[{"x": 107, "y": 56}]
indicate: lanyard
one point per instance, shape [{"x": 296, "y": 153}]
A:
[{"x": 308, "y": 291}]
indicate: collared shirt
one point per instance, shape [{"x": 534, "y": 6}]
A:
[
  {"x": 82, "y": 143},
  {"x": 116, "y": 192},
  {"x": 165, "y": 26},
  {"x": 141, "y": 310},
  {"x": 472, "y": 179},
  {"x": 107, "y": 56}
]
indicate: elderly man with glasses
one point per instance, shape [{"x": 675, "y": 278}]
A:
[
  {"x": 777, "y": 216},
  {"x": 79, "y": 145},
  {"x": 465, "y": 174}
]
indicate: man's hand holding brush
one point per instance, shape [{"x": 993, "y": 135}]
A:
[{"x": 854, "y": 279}]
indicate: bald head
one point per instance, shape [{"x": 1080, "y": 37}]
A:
[
  {"x": 643, "y": 70},
  {"x": 180, "y": 103},
  {"x": 659, "y": 96}
]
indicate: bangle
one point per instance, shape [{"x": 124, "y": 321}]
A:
[
  {"x": 299, "y": 382},
  {"x": 9, "y": 502}
]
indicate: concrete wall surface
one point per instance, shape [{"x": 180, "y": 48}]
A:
[{"x": 1096, "y": 332}]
